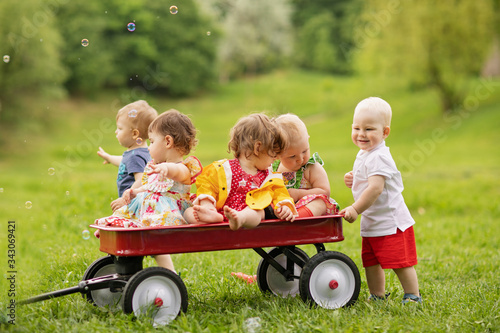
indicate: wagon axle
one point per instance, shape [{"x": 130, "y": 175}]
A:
[
  {"x": 158, "y": 302},
  {"x": 333, "y": 284}
]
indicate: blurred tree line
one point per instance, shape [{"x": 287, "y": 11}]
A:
[
  {"x": 440, "y": 44},
  {"x": 177, "y": 48}
]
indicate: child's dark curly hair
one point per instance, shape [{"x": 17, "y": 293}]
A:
[{"x": 179, "y": 127}]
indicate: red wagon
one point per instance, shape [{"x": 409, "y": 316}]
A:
[{"x": 328, "y": 279}]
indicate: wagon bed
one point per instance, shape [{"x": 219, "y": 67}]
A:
[{"x": 218, "y": 236}]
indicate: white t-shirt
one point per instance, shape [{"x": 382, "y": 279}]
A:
[{"x": 389, "y": 212}]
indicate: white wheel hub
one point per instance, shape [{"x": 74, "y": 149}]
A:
[
  {"x": 159, "y": 297},
  {"x": 332, "y": 284}
]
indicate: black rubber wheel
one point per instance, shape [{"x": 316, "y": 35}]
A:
[
  {"x": 102, "y": 297},
  {"x": 157, "y": 293},
  {"x": 269, "y": 279},
  {"x": 330, "y": 280}
]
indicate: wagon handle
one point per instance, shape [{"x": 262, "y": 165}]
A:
[
  {"x": 101, "y": 282},
  {"x": 49, "y": 295}
]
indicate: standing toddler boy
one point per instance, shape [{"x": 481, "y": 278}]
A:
[{"x": 386, "y": 223}]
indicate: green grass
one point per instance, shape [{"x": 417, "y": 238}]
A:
[{"x": 451, "y": 187}]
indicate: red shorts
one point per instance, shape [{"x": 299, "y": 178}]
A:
[{"x": 391, "y": 251}]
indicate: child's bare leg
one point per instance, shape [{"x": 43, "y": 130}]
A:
[
  {"x": 375, "y": 278},
  {"x": 246, "y": 218},
  {"x": 408, "y": 278},
  {"x": 317, "y": 207},
  {"x": 165, "y": 261}
]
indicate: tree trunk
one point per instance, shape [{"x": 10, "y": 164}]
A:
[{"x": 491, "y": 67}]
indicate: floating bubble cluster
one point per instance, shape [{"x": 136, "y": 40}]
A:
[
  {"x": 6, "y": 58},
  {"x": 131, "y": 26},
  {"x": 85, "y": 42},
  {"x": 174, "y": 10}
]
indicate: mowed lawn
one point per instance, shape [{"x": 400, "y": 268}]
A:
[{"x": 53, "y": 186}]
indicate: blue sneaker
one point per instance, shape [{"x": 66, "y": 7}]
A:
[
  {"x": 410, "y": 298},
  {"x": 374, "y": 298}
]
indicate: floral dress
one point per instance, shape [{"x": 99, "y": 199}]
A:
[
  {"x": 295, "y": 179},
  {"x": 162, "y": 204}
]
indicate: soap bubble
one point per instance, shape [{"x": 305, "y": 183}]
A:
[
  {"x": 174, "y": 10},
  {"x": 139, "y": 141},
  {"x": 131, "y": 26},
  {"x": 208, "y": 33},
  {"x": 86, "y": 234},
  {"x": 1, "y": 189},
  {"x": 252, "y": 325},
  {"x": 52, "y": 171},
  {"x": 6, "y": 58},
  {"x": 85, "y": 42},
  {"x": 28, "y": 204},
  {"x": 132, "y": 113},
  {"x": 67, "y": 192}
]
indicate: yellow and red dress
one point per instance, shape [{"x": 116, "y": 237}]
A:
[{"x": 226, "y": 184}]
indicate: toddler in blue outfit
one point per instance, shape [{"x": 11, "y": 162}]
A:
[{"x": 132, "y": 123}]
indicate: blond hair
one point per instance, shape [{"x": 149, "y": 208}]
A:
[
  {"x": 292, "y": 126},
  {"x": 378, "y": 106},
  {"x": 252, "y": 129},
  {"x": 139, "y": 115},
  {"x": 179, "y": 127}
]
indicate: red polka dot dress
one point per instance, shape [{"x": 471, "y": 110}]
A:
[{"x": 241, "y": 184}]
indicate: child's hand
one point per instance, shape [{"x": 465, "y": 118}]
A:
[
  {"x": 350, "y": 214},
  {"x": 120, "y": 202},
  {"x": 284, "y": 213},
  {"x": 104, "y": 155},
  {"x": 128, "y": 195},
  {"x": 348, "y": 179},
  {"x": 161, "y": 169}
]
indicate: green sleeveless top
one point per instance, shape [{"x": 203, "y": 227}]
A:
[{"x": 294, "y": 179}]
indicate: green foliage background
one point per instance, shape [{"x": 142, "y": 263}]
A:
[{"x": 440, "y": 45}]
